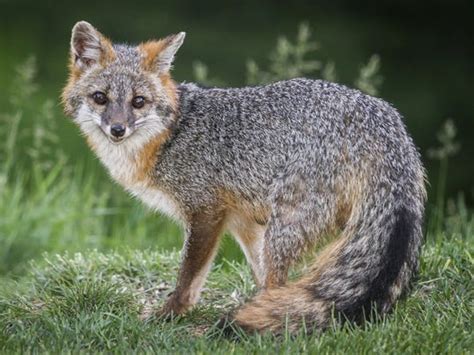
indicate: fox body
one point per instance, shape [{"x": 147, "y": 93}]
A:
[{"x": 279, "y": 166}]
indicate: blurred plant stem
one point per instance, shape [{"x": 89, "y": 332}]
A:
[
  {"x": 22, "y": 89},
  {"x": 369, "y": 79},
  {"x": 37, "y": 140},
  {"x": 447, "y": 148}
]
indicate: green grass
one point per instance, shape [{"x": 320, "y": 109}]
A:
[
  {"x": 59, "y": 211},
  {"x": 91, "y": 301}
]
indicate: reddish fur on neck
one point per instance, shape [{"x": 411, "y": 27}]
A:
[
  {"x": 147, "y": 158},
  {"x": 170, "y": 88}
]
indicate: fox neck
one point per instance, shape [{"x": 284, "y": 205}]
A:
[{"x": 132, "y": 162}]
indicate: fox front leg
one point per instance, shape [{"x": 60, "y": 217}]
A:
[{"x": 200, "y": 248}]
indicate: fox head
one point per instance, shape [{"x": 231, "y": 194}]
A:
[{"x": 120, "y": 93}]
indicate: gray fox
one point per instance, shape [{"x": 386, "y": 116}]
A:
[{"x": 281, "y": 167}]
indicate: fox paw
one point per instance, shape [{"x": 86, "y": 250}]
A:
[{"x": 171, "y": 309}]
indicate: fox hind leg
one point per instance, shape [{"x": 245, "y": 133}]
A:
[{"x": 300, "y": 216}]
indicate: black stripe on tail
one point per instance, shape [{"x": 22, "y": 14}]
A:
[{"x": 364, "y": 272}]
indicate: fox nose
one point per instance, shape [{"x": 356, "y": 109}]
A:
[{"x": 117, "y": 130}]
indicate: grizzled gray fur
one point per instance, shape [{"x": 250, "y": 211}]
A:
[{"x": 281, "y": 166}]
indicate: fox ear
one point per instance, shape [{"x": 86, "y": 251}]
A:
[
  {"x": 166, "y": 57},
  {"x": 89, "y": 46},
  {"x": 159, "y": 55}
]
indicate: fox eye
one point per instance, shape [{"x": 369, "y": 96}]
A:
[
  {"x": 138, "y": 101},
  {"x": 99, "y": 98}
]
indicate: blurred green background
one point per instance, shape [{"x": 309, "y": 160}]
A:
[
  {"x": 426, "y": 48},
  {"x": 426, "y": 51}
]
